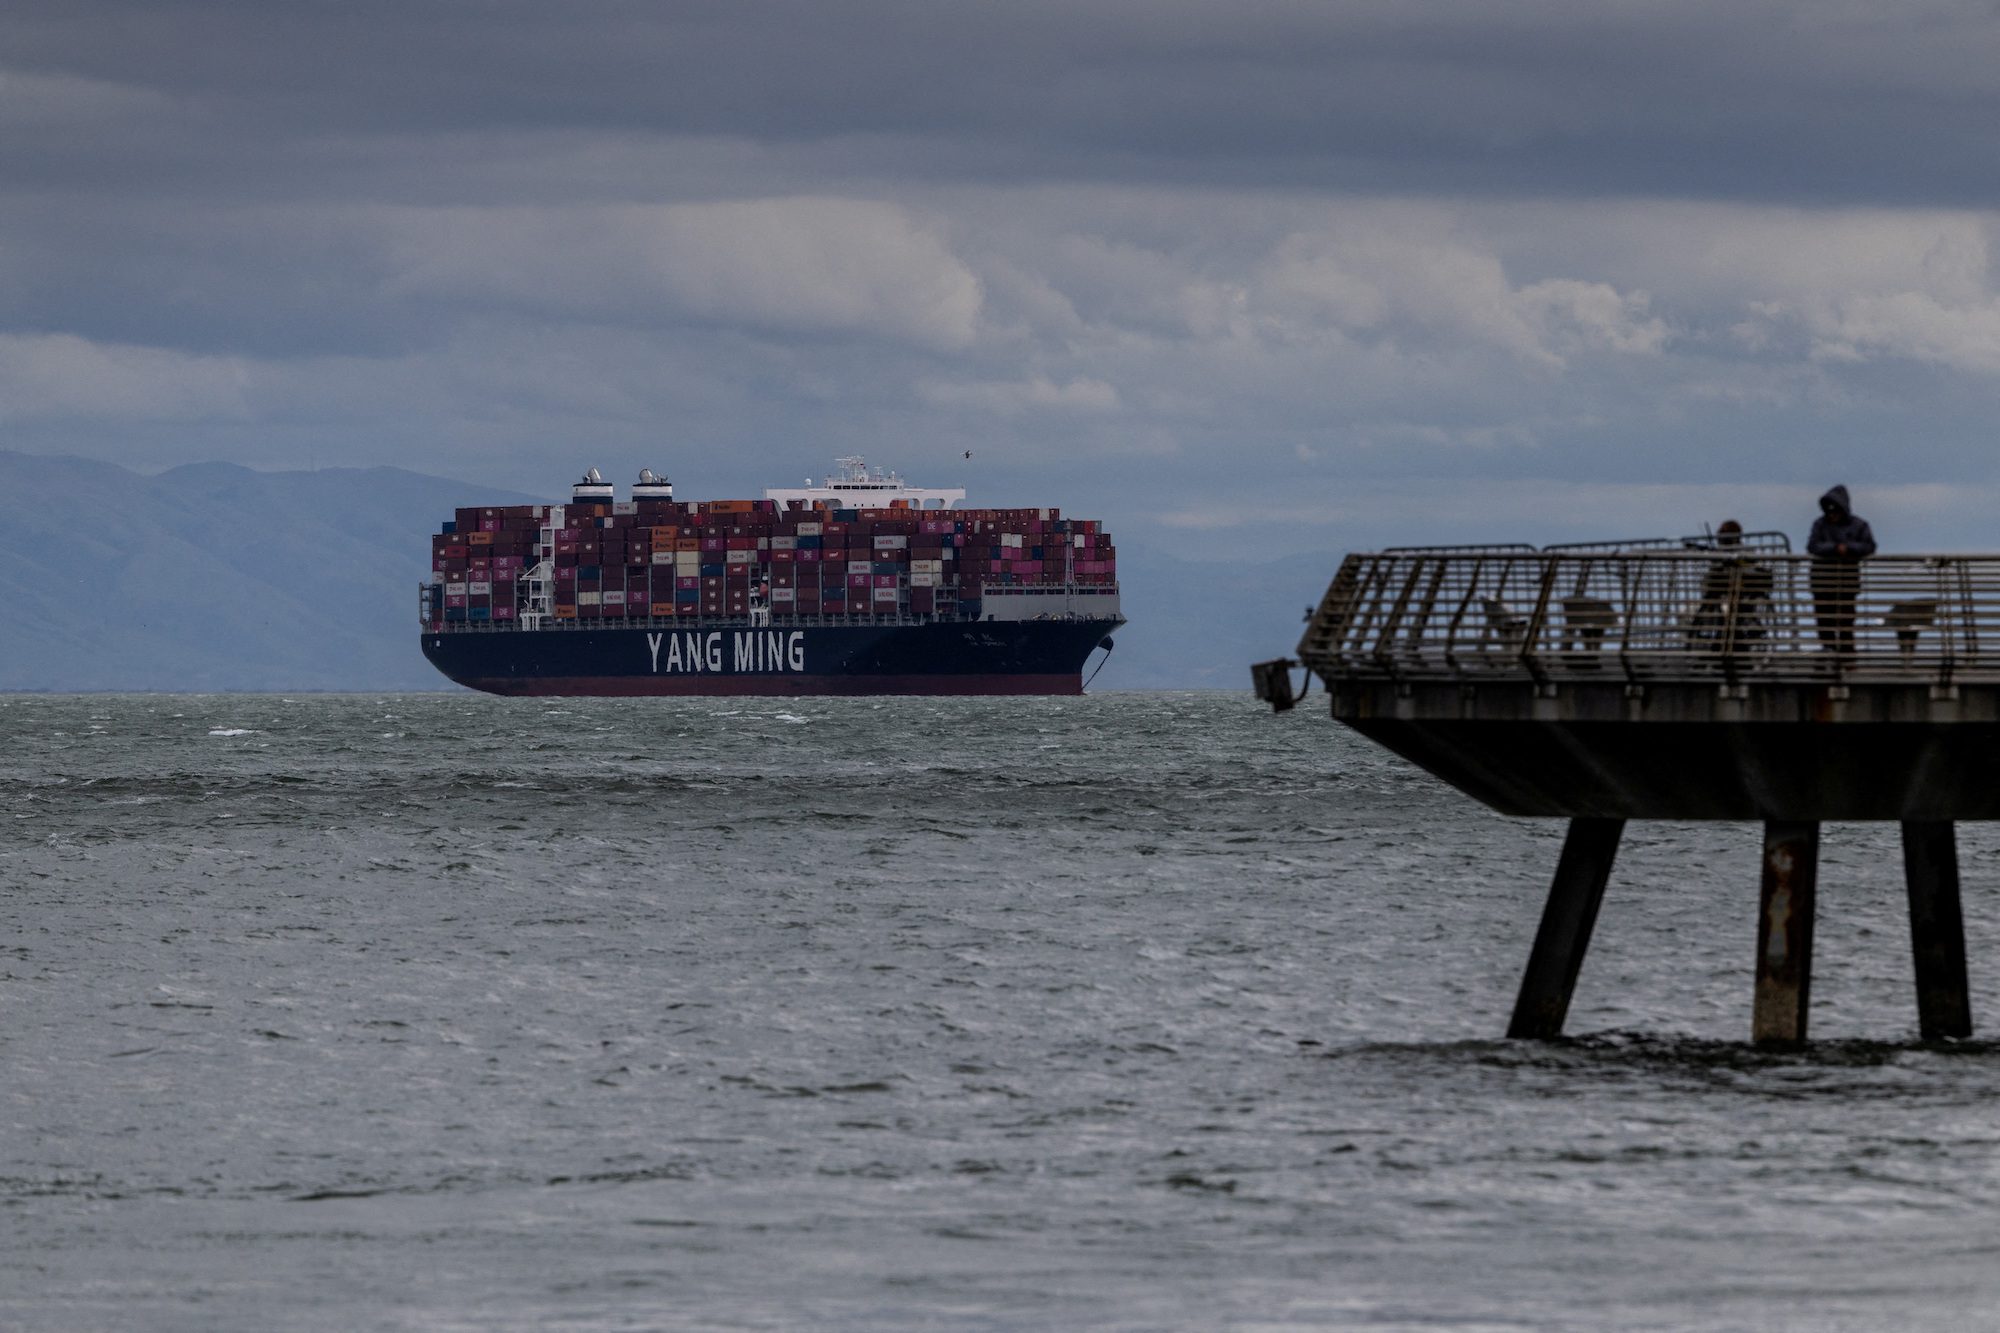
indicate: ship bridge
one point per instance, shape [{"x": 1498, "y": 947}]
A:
[
  {"x": 1676, "y": 680},
  {"x": 853, "y": 485}
]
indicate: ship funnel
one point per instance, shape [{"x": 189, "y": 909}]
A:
[
  {"x": 652, "y": 486},
  {"x": 593, "y": 489}
]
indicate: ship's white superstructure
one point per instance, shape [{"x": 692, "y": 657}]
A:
[{"x": 854, "y": 486}]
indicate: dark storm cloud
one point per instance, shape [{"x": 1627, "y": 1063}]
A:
[{"x": 1877, "y": 104}]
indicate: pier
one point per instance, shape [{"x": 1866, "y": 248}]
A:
[{"x": 1654, "y": 681}]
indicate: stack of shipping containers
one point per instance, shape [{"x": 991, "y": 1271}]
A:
[
  {"x": 480, "y": 560},
  {"x": 652, "y": 559}
]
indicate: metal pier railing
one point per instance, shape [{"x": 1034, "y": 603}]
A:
[{"x": 1663, "y": 613}]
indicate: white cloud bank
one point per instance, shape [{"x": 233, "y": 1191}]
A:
[
  {"x": 60, "y": 375},
  {"x": 1387, "y": 279},
  {"x": 799, "y": 265},
  {"x": 1038, "y": 393},
  {"x": 1263, "y": 340},
  {"x": 1838, "y": 286}
]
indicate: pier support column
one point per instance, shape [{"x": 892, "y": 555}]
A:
[
  {"x": 1785, "y": 932},
  {"x": 1937, "y": 929},
  {"x": 1564, "y": 936}
]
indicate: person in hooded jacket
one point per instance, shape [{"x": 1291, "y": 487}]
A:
[
  {"x": 1735, "y": 593},
  {"x": 1840, "y": 541}
]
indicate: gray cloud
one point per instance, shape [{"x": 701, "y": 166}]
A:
[
  {"x": 1830, "y": 102},
  {"x": 1136, "y": 256}
]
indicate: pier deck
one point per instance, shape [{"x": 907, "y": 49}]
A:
[{"x": 1615, "y": 683}]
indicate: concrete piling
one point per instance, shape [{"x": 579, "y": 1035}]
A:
[
  {"x": 1564, "y": 936},
  {"x": 1786, "y": 907},
  {"x": 1937, "y": 929}
]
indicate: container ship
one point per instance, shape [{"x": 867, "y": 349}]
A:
[{"x": 860, "y": 585}]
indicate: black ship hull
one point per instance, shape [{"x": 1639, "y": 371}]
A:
[{"x": 668, "y": 658}]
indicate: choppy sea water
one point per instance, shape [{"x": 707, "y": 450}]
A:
[{"x": 1133, "y": 1011}]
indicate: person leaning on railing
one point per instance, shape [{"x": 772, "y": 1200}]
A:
[
  {"x": 1735, "y": 593},
  {"x": 1840, "y": 541}
]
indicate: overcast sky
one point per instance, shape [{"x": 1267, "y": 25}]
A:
[{"x": 1383, "y": 272}]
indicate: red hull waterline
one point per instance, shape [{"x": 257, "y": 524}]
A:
[{"x": 711, "y": 686}]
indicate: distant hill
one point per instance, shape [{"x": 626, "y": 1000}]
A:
[{"x": 214, "y": 577}]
